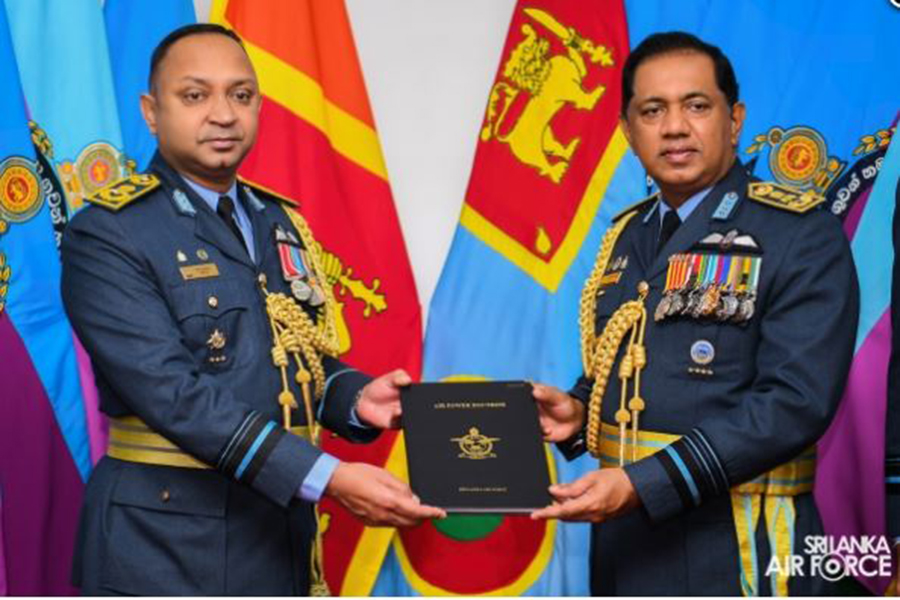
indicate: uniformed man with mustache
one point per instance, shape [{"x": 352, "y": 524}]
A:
[
  {"x": 209, "y": 323},
  {"x": 717, "y": 332}
]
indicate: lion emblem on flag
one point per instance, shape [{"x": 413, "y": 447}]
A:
[{"x": 552, "y": 82}]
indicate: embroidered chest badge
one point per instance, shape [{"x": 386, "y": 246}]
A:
[{"x": 216, "y": 345}]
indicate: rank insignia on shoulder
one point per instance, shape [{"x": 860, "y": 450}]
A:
[
  {"x": 784, "y": 197},
  {"x": 120, "y": 194},
  {"x": 637, "y": 206},
  {"x": 619, "y": 264}
]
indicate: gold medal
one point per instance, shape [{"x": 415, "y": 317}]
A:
[{"x": 710, "y": 301}]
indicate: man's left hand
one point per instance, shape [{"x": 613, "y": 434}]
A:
[
  {"x": 596, "y": 497},
  {"x": 379, "y": 403}
]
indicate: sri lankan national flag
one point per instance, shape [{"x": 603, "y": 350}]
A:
[
  {"x": 318, "y": 145},
  {"x": 542, "y": 190}
]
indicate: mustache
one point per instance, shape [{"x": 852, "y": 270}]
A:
[
  {"x": 670, "y": 149},
  {"x": 224, "y": 136}
]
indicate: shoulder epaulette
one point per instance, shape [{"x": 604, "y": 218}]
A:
[
  {"x": 123, "y": 192},
  {"x": 267, "y": 192},
  {"x": 637, "y": 206},
  {"x": 783, "y": 196}
]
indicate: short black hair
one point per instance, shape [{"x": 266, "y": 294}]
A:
[
  {"x": 677, "y": 41},
  {"x": 159, "y": 53}
]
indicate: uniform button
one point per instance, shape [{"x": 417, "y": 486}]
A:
[
  {"x": 262, "y": 279},
  {"x": 213, "y": 302},
  {"x": 164, "y": 495}
]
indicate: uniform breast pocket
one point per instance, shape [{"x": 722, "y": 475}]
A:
[
  {"x": 688, "y": 349},
  {"x": 705, "y": 351},
  {"x": 216, "y": 322}
]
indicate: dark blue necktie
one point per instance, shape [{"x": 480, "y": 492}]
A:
[
  {"x": 670, "y": 223},
  {"x": 225, "y": 209}
]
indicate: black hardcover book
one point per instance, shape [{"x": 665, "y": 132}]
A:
[{"x": 475, "y": 447}]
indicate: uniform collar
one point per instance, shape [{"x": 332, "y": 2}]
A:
[
  {"x": 190, "y": 202},
  {"x": 211, "y": 197},
  {"x": 178, "y": 186},
  {"x": 698, "y": 224},
  {"x": 685, "y": 210}
]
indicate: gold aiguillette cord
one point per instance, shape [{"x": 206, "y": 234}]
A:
[
  {"x": 599, "y": 353},
  {"x": 295, "y": 335},
  {"x": 629, "y": 319}
]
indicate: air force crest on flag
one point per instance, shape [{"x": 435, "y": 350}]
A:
[
  {"x": 798, "y": 157},
  {"x": 97, "y": 165},
  {"x": 21, "y": 196}
]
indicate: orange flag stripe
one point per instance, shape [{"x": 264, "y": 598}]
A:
[
  {"x": 305, "y": 97},
  {"x": 315, "y": 38}
]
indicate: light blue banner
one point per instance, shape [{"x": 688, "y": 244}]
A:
[
  {"x": 133, "y": 29},
  {"x": 60, "y": 50}
]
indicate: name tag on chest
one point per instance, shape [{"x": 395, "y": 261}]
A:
[{"x": 202, "y": 271}]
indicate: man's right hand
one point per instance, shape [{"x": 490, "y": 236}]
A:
[
  {"x": 377, "y": 498},
  {"x": 561, "y": 415}
]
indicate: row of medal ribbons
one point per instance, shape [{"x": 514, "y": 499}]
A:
[{"x": 710, "y": 286}]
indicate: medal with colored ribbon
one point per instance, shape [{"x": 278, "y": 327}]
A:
[
  {"x": 710, "y": 286},
  {"x": 297, "y": 269},
  {"x": 698, "y": 263},
  {"x": 747, "y": 292},
  {"x": 671, "y": 276}
]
